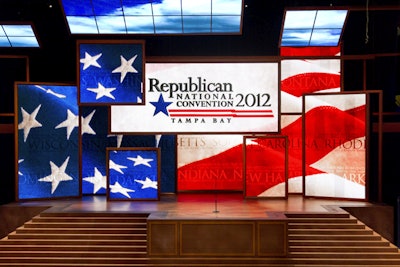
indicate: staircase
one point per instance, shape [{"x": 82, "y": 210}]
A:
[
  {"x": 78, "y": 239},
  {"x": 337, "y": 240},
  {"x": 119, "y": 239}
]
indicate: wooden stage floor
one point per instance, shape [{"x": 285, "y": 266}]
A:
[{"x": 208, "y": 206}]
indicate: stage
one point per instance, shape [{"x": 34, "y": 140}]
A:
[
  {"x": 197, "y": 205},
  {"x": 201, "y": 227}
]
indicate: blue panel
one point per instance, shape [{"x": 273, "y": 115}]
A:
[
  {"x": 228, "y": 24},
  {"x": 198, "y": 7},
  {"x": 296, "y": 37},
  {"x": 325, "y": 37},
  {"x": 2, "y": 33},
  {"x": 94, "y": 144},
  {"x": 81, "y": 16},
  {"x": 139, "y": 177},
  {"x": 137, "y": 7},
  {"x": 105, "y": 82},
  {"x": 18, "y": 30},
  {"x": 227, "y": 7},
  {"x": 77, "y": 7},
  {"x": 303, "y": 19},
  {"x": 111, "y": 24},
  {"x": 4, "y": 42},
  {"x": 139, "y": 24},
  {"x": 329, "y": 19},
  {"x": 107, "y": 7},
  {"x": 196, "y": 24},
  {"x": 162, "y": 9},
  {"x": 23, "y": 41},
  {"x": 47, "y": 141},
  {"x": 81, "y": 25},
  {"x": 168, "y": 24}
]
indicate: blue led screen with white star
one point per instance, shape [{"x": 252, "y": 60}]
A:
[
  {"x": 133, "y": 174},
  {"x": 94, "y": 142},
  {"x": 48, "y": 155},
  {"x": 153, "y": 16},
  {"x": 111, "y": 73}
]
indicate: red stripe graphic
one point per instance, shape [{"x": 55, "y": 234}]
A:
[
  {"x": 221, "y": 113},
  {"x": 302, "y": 83}
]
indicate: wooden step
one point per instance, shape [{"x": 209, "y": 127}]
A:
[
  {"x": 325, "y": 226},
  {"x": 305, "y": 220},
  {"x": 339, "y": 243},
  {"x": 317, "y": 215},
  {"x": 94, "y": 214},
  {"x": 32, "y": 224},
  {"x": 87, "y": 219},
  {"x": 74, "y": 242},
  {"x": 350, "y": 237},
  {"x": 74, "y": 254},
  {"x": 81, "y": 260},
  {"x": 75, "y": 247},
  {"x": 350, "y": 249},
  {"x": 327, "y": 232},
  {"x": 82, "y": 236},
  {"x": 346, "y": 255},
  {"x": 81, "y": 231}
]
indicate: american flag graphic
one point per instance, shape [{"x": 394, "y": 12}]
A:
[
  {"x": 335, "y": 149},
  {"x": 133, "y": 174},
  {"x": 297, "y": 77},
  {"x": 95, "y": 140},
  {"x": 265, "y": 166},
  {"x": 111, "y": 73},
  {"x": 48, "y": 158}
]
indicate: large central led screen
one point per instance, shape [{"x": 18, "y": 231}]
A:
[{"x": 204, "y": 98}]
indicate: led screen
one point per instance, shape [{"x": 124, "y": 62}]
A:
[
  {"x": 265, "y": 167},
  {"x": 300, "y": 77},
  {"x": 48, "y": 155},
  {"x": 313, "y": 27},
  {"x": 17, "y": 36},
  {"x": 153, "y": 17},
  {"x": 133, "y": 173},
  {"x": 111, "y": 72},
  {"x": 210, "y": 162},
  {"x": 95, "y": 140},
  {"x": 292, "y": 129},
  {"x": 204, "y": 98},
  {"x": 335, "y": 151}
]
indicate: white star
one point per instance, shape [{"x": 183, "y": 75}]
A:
[
  {"x": 117, "y": 188},
  {"x": 141, "y": 161},
  {"x": 98, "y": 180},
  {"x": 85, "y": 124},
  {"x": 148, "y": 183},
  {"x": 90, "y": 61},
  {"x": 126, "y": 66},
  {"x": 29, "y": 121},
  {"x": 70, "y": 123},
  {"x": 102, "y": 91},
  {"x": 116, "y": 167},
  {"x": 57, "y": 175}
]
